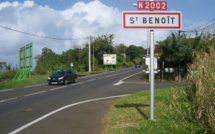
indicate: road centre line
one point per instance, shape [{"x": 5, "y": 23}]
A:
[
  {"x": 56, "y": 88},
  {"x": 34, "y": 93},
  {"x": 130, "y": 76},
  {"x": 11, "y": 89},
  {"x": 9, "y": 99},
  {"x": 36, "y": 85},
  {"x": 90, "y": 80},
  {"x": 63, "y": 108}
]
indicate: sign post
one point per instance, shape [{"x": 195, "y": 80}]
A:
[
  {"x": 71, "y": 65},
  {"x": 152, "y": 20},
  {"x": 152, "y": 75}
]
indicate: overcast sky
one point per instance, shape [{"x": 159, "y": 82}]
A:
[{"x": 75, "y": 20}]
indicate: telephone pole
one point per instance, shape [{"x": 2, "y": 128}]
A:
[{"x": 89, "y": 54}]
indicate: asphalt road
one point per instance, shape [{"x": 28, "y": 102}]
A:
[{"x": 27, "y": 109}]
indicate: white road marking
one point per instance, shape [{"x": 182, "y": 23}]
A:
[
  {"x": 6, "y": 90},
  {"x": 60, "y": 109},
  {"x": 130, "y": 76},
  {"x": 34, "y": 93},
  {"x": 8, "y": 99},
  {"x": 56, "y": 88},
  {"x": 36, "y": 85},
  {"x": 118, "y": 83},
  {"x": 90, "y": 80}
]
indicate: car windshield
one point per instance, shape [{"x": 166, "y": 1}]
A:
[{"x": 60, "y": 71}]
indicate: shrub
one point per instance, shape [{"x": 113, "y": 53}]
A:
[
  {"x": 7, "y": 75},
  {"x": 196, "y": 102},
  {"x": 130, "y": 64}
]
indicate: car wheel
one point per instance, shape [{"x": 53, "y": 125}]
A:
[
  {"x": 66, "y": 81},
  {"x": 76, "y": 80},
  {"x": 49, "y": 83}
]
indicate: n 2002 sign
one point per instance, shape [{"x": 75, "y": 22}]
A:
[{"x": 152, "y": 5}]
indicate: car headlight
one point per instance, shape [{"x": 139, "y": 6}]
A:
[
  {"x": 49, "y": 78},
  {"x": 60, "y": 78}
]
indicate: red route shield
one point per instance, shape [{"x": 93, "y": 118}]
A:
[{"x": 152, "y": 5}]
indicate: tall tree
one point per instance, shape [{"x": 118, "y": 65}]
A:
[
  {"x": 41, "y": 57},
  {"x": 174, "y": 50},
  {"x": 102, "y": 45},
  {"x": 133, "y": 52},
  {"x": 121, "y": 48}
]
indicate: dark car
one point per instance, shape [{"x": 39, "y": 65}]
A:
[
  {"x": 62, "y": 76},
  {"x": 137, "y": 65}
]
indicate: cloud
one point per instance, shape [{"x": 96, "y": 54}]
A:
[{"x": 78, "y": 22}]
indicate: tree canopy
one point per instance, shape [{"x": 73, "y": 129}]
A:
[{"x": 48, "y": 61}]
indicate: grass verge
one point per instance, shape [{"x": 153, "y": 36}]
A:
[
  {"x": 130, "y": 115},
  {"x": 36, "y": 79}
]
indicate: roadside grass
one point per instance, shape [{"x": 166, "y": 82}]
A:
[
  {"x": 131, "y": 114},
  {"x": 36, "y": 79}
]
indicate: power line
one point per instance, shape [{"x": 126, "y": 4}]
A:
[
  {"x": 39, "y": 36},
  {"x": 202, "y": 27},
  {"x": 203, "y": 24}
]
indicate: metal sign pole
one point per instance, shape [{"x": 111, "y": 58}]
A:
[{"x": 152, "y": 75}]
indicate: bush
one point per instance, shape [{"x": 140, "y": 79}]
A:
[
  {"x": 81, "y": 68},
  {"x": 130, "y": 64},
  {"x": 196, "y": 102},
  {"x": 7, "y": 75}
]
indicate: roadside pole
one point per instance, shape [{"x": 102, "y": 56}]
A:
[
  {"x": 152, "y": 75},
  {"x": 89, "y": 54}
]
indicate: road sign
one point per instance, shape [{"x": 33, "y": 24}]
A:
[
  {"x": 71, "y": 65},
  {"x": 152, "y": 20},
  {"x": 152, "y": 5}
]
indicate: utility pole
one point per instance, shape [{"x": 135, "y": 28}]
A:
[
  {"x": 89, "y": 54},
  {"x": 93, "y": 58},
  {"x": 179, "y": 68}
]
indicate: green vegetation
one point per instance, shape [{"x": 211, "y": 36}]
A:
[
  {"x": 36, "y": 79},
  {"x": 177, "y": 110},
  {"x": 196, "y": 102},
  {"x": 178, "y": 50},
  {"x": 130, "y": 115}
]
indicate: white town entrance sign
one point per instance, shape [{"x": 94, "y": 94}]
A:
[{"x": 152, "y": 20}]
